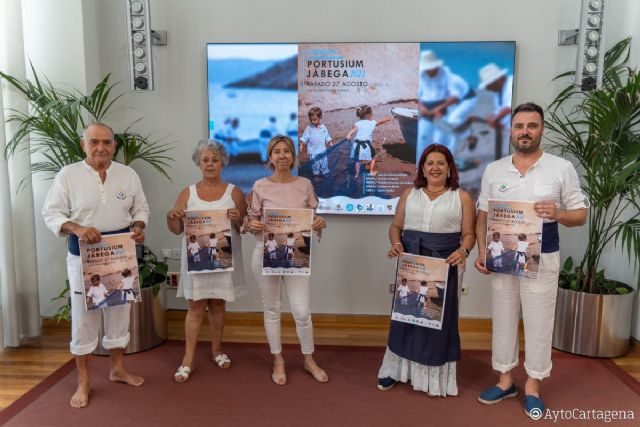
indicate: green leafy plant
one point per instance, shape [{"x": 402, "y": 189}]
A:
[
  {"x": 53, "y": 122},
  {"x": 600, "y": 130}
]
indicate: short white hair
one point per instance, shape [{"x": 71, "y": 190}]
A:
[{"x": 213, "y": 145}]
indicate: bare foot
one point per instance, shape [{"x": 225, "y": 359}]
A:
[
  {"x": 316, "y": 372},
  {"x": 80, "y": 398},
  {"x": 279, "y": 375},
  {"x": 126, "y": 377}
]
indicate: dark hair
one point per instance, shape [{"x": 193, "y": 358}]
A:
[
  {"x": 496, "y": 232},
  {"x": 363, "y": 111},
  {"x": 423, "y": 283},
  {"x": 453, "y": 179},
  {"x": 212, "y": 236},
  {"x": 290, "y": 234},
  {"x": 95, "y": 276},
  {"x": 271, "y": 234},
  {"x": 193, "y": 236},
  {"x": 528, "y": 107},
  {"x": 126, "y": 272},
  {"x": 522, "y": 236},
  {"x": 315, "y": 111}
]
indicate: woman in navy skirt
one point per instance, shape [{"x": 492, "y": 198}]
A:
[{"x": 433, "y": 218}]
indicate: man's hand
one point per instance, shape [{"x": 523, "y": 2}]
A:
[
  {"x": 546, "y": 209},
  {"x": 88, "y": 234},
  {"x": 138, "y": 234}
]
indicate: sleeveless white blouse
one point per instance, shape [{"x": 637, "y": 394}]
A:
[
  {"x": 225, "y": 285},
  {"x": 442, "y": 215}
]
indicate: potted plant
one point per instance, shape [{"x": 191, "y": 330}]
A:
[
  {"x": 600, "y": 131},
  {"x": 51, "y": 128}
]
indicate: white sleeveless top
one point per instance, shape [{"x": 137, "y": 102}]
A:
[
  {"x": 442, "y": 215},
  {"x": 225, "y": 285}
]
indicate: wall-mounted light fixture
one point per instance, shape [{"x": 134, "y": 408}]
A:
[
  {"x": 139, "y": 41},
  {"x": 590, "y": 39}
]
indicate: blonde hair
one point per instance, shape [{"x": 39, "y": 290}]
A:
[{"x": 288, "y": 141}]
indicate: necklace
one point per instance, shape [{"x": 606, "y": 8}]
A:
[{"x": 434, "y": 192}]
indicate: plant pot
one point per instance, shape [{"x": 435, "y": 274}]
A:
[
  {"x": 592, "y": 324},
  {"x": 148, "y": 327}
]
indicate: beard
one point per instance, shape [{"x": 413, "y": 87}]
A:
[{"x": 532, "y": 146}]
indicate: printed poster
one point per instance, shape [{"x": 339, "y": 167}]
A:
[
  {"x": 110, "y": 271},
  {"x": 208, "y": 241},
  {"x": 514, "y": 237},
  {"x": 312, "y": 92},
  {"x": 420, "y": 291},
  {"x": 287, "y": 242}
]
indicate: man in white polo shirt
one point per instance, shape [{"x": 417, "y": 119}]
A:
[
  {"x": 88, "y": 199},
  {"x": 552, "y": 183}
]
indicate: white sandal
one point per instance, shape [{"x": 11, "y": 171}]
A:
[
  {"x": 221, "y": 360},
  {"x": 182, "y": 374}
]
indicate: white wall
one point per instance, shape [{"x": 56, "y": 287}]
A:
[{"x": 178, "y": 109}]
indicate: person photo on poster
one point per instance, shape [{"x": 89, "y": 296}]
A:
[
  {"x": 514, "y": 235},
  {"x": 421, "y": 286},
  {"x": 208, "y": 241},
  {"x": 110, "y": 271},
  {"x": 287, "y": 242}
]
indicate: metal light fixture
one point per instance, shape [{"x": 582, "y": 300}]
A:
[
  {"x": 591, "y": 38},
  {"x": 139, "y": 41}
]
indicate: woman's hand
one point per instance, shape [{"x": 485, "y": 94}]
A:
[
  {"x": 396, "y": 250},
  {"x": 479, "y": 264},
  {"x": 255, "y": 226},
  {"x": 176, "y": 214},
  {"x": 457, "y": 257},
  {"x": 234, "y": 215},
  {"x": 318, "y": 224}
]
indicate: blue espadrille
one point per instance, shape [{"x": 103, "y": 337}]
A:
[
  {"x": 533, "y": 407},
  {"x": 386, "y": 383},
  {"x": 495, "y": 394}
]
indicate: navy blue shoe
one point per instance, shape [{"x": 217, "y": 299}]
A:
[
  {"x": 533, "y": 407},
  {"x": 495, "y": 394},
  {"x": 386, "y": 383}
]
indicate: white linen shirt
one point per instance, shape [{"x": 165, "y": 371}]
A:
[
  {"x": 550, "y": 178},
  {"x": 79, "y": 195}
]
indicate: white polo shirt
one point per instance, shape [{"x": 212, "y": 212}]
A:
[
  {"x": 79, "y": 195},
  {"x": 550, "y": 178}
]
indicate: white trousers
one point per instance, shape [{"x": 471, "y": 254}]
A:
[
  {"x": 85, "y": 325},
  {"x": 537, "y": 297},
  {"x": 298, "y": 289}
]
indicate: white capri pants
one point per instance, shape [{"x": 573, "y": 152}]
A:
[
  {"x": 298, "y": 290},
  {"x": 85, "y": 324},
  {"x": 538, "y": 300}
]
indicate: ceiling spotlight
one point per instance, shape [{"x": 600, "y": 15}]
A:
[
  {"x": 595, "y": 5},
  {"x": 591, "y": 51},
  {"x": 594, "y": 20},
  {"x": 593, "y": 36},
  {"x": 140, "y": 67},
  {"x": 137, "y": 22},
  {"x": 138, "y": 52},
  {"x": 590, "y": 67},
  {"x": 136, "y": 7}
]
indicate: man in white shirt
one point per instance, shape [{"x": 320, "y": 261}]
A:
[
  {"x": 439, "y": 91},
  {"x": 553, "y": 185},
  {"x": 87, "y": 199}
]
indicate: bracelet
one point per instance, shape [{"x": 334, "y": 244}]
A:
[
  {"x": 464, "y": 251},
  {"x": 393, "y": 244}
]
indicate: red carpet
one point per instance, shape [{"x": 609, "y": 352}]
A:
[{"x": 244, "y": 395}]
